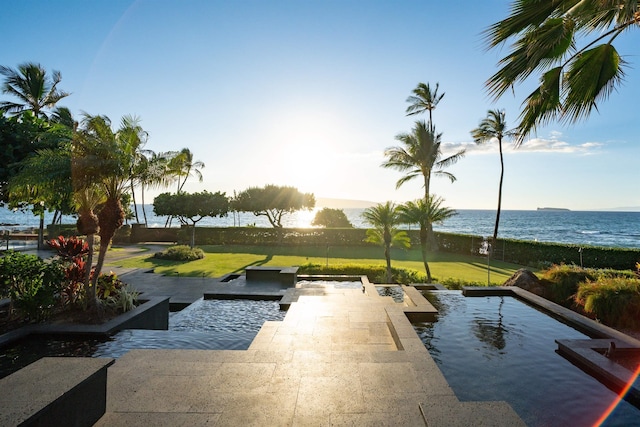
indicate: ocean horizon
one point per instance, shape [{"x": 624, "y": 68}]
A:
[{"x": 592, "y": 228}]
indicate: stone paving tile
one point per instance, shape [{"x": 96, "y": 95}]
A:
[{"x": 333, "y": 360}]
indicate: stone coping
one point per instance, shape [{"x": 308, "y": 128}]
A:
[{"x": 151, "y": 314}]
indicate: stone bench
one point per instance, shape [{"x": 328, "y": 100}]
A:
[
  {"x": 284, "y": 275},
  {"x": 55, "y": 391}
]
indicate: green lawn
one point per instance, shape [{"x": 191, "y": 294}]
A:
[{"x": 222, "y": 260}]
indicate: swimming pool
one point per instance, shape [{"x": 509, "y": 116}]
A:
[{"x": 499, "y": 348}]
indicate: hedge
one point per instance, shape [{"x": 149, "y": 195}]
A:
[{"x": 536, "y": 254}]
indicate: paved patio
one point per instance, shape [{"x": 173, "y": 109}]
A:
[{"x": 340, "y": 357}]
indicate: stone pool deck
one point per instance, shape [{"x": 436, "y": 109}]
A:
[{"x": 340, "y": 357}]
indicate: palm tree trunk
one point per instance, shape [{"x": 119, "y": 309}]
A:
[
  {"x": 423, "y": 247},
  {"x": 144, "y": 212},
  {"x": 90, "y": 290},
  {"x": 135, "y": 205},
  {"x": 387, "y": 256},
  {"x": 431, "y": 238},
  {"x": 495, "y": 229}
]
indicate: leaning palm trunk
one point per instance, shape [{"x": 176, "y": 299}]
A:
[
  {"x": 495, "y": 229},
  {"x": 111, "y": 218}
]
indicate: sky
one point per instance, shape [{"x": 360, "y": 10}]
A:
[{"x": 310, "y": 93}]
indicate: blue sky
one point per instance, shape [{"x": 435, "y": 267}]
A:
[{"x": 310, "y": 93}]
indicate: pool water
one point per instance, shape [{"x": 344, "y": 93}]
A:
[
  {"x": 205, "y": 324},
  {"x": 499, "y": 348}
]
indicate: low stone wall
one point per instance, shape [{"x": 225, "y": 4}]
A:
[{"x": 56, "y": 391}]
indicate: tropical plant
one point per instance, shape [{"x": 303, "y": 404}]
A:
[
  {"x": 273, "y": 201},
  {"x": 494, "y": 126},
  {"x": 332, "y": 218},
  {"x": 424, "y": 213},
  {"x": 424, "y": 99},
  {"x": 384, "y": 218},
  {"x": 570, "y": 42},
  {"x": 101, "y": 162},
  {"x": 33, "y": 88}
]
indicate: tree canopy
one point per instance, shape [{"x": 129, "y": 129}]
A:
[
  {"x": 273, "y": 201},
  {"x": 331, "y": 218},
  {"x": 191, "y": 207}
]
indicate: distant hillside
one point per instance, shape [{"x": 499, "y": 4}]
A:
[{"x": 325, "y": 202}]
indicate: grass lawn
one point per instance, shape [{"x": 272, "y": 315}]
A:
[{"x": 222, "y": 260}]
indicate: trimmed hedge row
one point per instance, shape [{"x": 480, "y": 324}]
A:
[{"x": 537, "y": 254}]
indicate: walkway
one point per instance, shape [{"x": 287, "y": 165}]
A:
[{"x": 340, "y": 357}]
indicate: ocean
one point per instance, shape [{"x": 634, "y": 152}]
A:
[{"x": 601, "y": 228}]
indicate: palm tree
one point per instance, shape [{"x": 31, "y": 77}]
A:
[
  {"x": 33, "y": 88},
  {"x": 571, "y": 43},
  {"x": 154, "y": 172},
  {"x": 494, "y": 126},
  {"x": 384, "y": 218},
  {"x": 183, "y": 165},
  {"x": 102, "y": 158},
  {"x": 134, "y": 138},
  {"x": 420, "y": 155},
  {"x": 424, "y": 99},
  {"x": 424, "y": 213}
]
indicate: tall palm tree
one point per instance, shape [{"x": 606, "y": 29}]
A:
[
  {"x": 494, "y": 126},
  {"x": 384, "y": 219},
  {"x": 133, "y": 138},
  {"x": 424, "y": 99},
  {"x": 424, "y": 213},
  {"x": 33, "y": 88},
  {"x": 420, "y": 155},
  {"x": 570, "y": 43}
]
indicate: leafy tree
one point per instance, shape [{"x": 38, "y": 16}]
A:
[
  {"x": 32, "y": 86},
  {"x": 384, "y": 218},
  {"x": 22, "y": 136},
  {"x": 494, "y": 126},
  {"x": 424, "y": 213},
  {"x": 570, "y": 42},
  {"x": 424, "y": 99},
  {"x": 331, "y": 218},
  {"x": 193, "y": 207},
  {"x": 273, "y": 201}
]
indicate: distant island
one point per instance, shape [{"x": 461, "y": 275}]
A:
[{"x": 553, "y": 209}]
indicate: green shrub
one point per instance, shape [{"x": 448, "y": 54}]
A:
[
  {"x": 457, "y": 284},
  {"x": 32, "y": 284},
  {"x": 614, "y": 301},
  {"x": 562, "y": 282},
  {"x": 180, "y": 253},
  {"x": 375, "y": 273}
]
